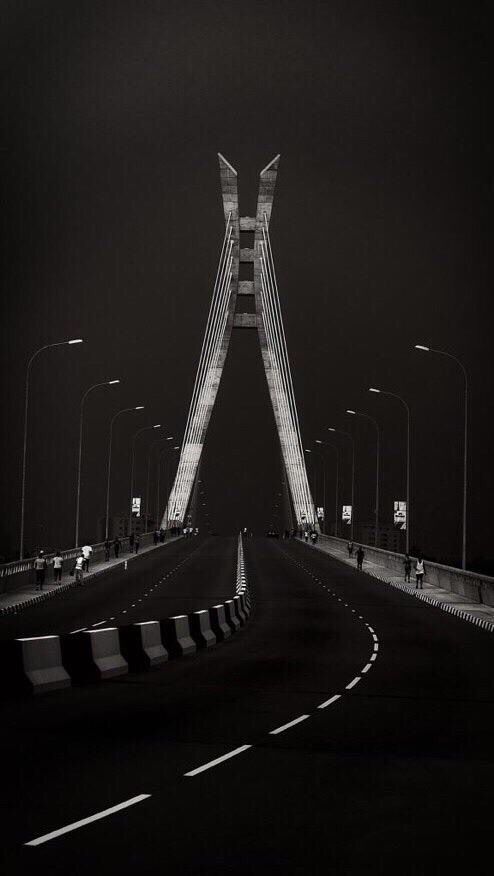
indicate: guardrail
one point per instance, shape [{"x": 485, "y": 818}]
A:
[{"x": 474, "y": 586}]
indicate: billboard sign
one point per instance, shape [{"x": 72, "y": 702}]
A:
[
  {"x": 320, "y": 514},
  {"x": 136, "y": 506},
  {"x": 400, "y": 515},
  {"x": 346, "y": 515}
]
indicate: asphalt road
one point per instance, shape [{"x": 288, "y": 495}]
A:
[{"x": 388, "y": 768}]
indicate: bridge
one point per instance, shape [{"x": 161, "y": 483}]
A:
[{"x": 239, "y": 703}]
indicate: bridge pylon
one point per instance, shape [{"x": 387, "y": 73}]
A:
[{"x": 244, "y": 304}]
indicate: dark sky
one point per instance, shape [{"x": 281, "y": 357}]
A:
[{"x": 112, "y": 115}]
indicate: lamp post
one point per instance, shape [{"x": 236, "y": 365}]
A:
[
  {"x": 334, "y": 447},
  {"x": 465, "y": 445},
  {"x": 155, "y": 444},
  {"x": 405, "y": 405},
  {"x": 376, "y": 424},
  {"x": 158, "y": 479},
  {"x": 79, "y": 464},
  {"x": 26, "y": 408},
  {"x": 123, "y": 411},
  {"x": 348, "y": 435},
  {"x": 132, "y": 464}
]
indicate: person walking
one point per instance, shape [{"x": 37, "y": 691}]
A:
[
  {"x": 137, "y": 544},
  {"x": 116, "y": 547},
  {"x": 57, "y": 567},
  {"x": 79, "y": 569},
  {"x": 107, "y": 549},
  {"x": 156, "y": 536},
  {"x": 306, "y": 536},
  {"x": 350, "y": 549},
  {"x": 40, "y": 567},
  {"x": 419, "y": 573},
  {"x": 407, "y": 563},
  {"x": 313, "y": 536},
  {"x": 360, "y": 557},
  {"x": 86, "y": 553}
]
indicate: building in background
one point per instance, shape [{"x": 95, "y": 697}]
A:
[{"x": 118, "y": 525}]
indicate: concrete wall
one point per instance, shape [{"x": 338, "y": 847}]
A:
[{"x": 476, "y": 587}]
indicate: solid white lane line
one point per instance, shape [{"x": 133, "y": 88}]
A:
[
  {"x": 330, "y": 701},
  {"x": 76, "y": 824},
  {"x": 290, "y": 724},
  {"x": 376, "y": 646},
  {"x": 99, "y": 623},
  {"x": 353, "y": 682},
  {"x": 366, "y": 668},
  {"x": 213, "y": 763}
]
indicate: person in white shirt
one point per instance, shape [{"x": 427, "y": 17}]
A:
[
  {"x": 57, "y": 567},
  {"x": 86, "y": 553},
  {"x": 419, "y": 573},
  {"x": 79, "y": 569}
]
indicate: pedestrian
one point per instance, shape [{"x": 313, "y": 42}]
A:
[
  {"x": 116, "y": 547},
  {"x": 40, "y": 567},
  {"x": 306, "y": 536},
  {"x": 79, "y": 569},
  {"x": 156, "y": 536},
  {"x": 137, "y": 543},
  {"x": 107, "y": 549},
  {"x": 419, "y": 573},
  {"x": 313, "y": 536},
  {"x": 408, "y": 568},
  {"x": 350, "y": 548},
  {"x": 86, "y": 553},
  {"x": 162, "y": 536},
  {"x": 360, "y": 557},
  {"x": 57, "y": 567}
]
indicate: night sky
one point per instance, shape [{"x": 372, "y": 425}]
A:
[{"x": 113, "y": 114}]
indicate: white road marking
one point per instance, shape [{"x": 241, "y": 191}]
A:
[
  {"x": 376, "y": 646},
  {"x": 99, "y": 623},
  {"x": 213, "y": 763},
  {"x": 370, "y": 629},
  {"x": 287, "y": 726},
  {"x": 353, "y": 682},
  {"x": 330, "y": 701},
  {"x": 372, "y": 657},
  {"x": 76, "y": 824},
  {"x": 374, "y": 637},
  {"x": 366, "y": 668},
  {"x": 78, "y": 631}
]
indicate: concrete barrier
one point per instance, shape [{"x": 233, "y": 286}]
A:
[
  {"x": 218, "y": 623},
  {"x": 474, "y": 586},
  {"x": 93, "y": 655},
  {"x": 245, "y": 603},
  {"x": 175, "y": 632},
  {"x": 231, "y": 615},
  {"x": 32, "y": 665},
  {"x": 141, "y": 645},
  {"x": 200, "y": 629},
  {"x": 239, "y": 610}
]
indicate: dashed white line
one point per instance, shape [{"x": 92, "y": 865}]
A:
[
  {"x": 213, "y": 763},
  {"x": 76, "y": 824},
  {"x": 353, "y": 682},
  {"x": 98, "y": 624},
  {"x": 287, "y": 726},
  {"x": 330, "y": 701},
  {"x": 78, "y": 631},
  {"x": 372, "y": 657},
  {"x": 376, "y": 646},
  {"x": 366, "y": 668},
  {"x": 374, "y": 637}
]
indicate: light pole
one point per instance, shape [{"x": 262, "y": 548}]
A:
[
  {"x": 378, "y": 441},
  {"x": 26, "y": 408},
  {"x": 79, "y": 464},
  {"x": 334, "y": 447},
  {"x": 123, "y": 411},
  {"x": 348, "y": 435},
  {"x": 403, "y": 402},
  {"x": 132, "y": 464},
  {"x": 155, "y": 444},
  {"x": 465, "y": 445},
  {"x": 158, "y": 479}
]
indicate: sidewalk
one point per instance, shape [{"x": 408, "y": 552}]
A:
[
  {"x": 476, "y": 613},
  {"x": 17, "y": 600}
]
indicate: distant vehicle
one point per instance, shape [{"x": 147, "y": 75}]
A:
[{"x": 272, "y": 533}]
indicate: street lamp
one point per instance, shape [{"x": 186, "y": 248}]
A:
[
  {"x": 335, "y": 448},
  {"x": 465, "y": 445},
  {"x": 348, "y": 435},
  {"x": 376, "y": 424},
  {"x": 132, "y": 464},
  {"x": 123, "y": 411},
  {"x": 155, "y": 444},
  {"x": 26, "y": 407},
  {"x": 403, "y": 402},
  {"x": 79, "y": 464}
]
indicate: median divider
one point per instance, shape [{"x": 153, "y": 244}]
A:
[{"x": 46, "y": 663}]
